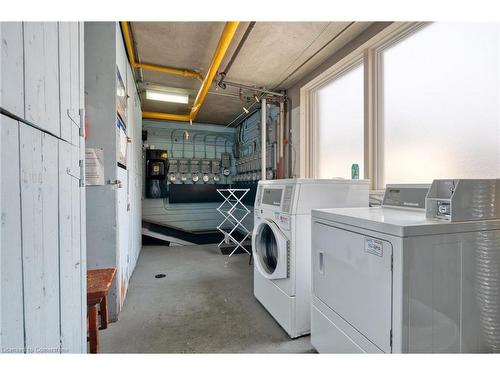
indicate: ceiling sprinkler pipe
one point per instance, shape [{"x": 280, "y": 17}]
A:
[{"x": 251, "y": 88}]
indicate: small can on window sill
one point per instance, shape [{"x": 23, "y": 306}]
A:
[{"x": 355, "y": 171}]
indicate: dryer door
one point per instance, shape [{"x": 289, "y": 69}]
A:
[
  {"x": 352, "y": 275},
  {"x": 270, "y": 247}
]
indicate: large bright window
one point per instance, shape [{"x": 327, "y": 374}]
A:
[
  {"x": 439, "y": 104},
  {"x": 339, "y": 125}
]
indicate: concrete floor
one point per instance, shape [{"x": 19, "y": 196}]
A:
[{"x": 202, "y": 306}]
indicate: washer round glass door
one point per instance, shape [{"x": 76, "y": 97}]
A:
[{"x": 270, "y": 246}]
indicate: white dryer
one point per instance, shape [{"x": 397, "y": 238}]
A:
[
  {"x": 281, "y": 242},
  {"x": 419, "y": 274}
]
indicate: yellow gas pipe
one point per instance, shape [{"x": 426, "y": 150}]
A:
[
  {"x": 220, "y": 52},
  {"x": 224, "y": 42},
  {"x": 157, "y": 68}
]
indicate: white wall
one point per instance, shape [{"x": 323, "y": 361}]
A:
[
  {"x": 195, "y": 217},
  {"x": 113, "y": 210}
]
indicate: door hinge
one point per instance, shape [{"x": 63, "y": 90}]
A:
[
  {"x": 390, "y": 338},
  {"x": 392, "y": 262},
  {"x": 82, "y": 173},
  {"x": 78, "y": 174},
  {"x": 81, "y": 130}
]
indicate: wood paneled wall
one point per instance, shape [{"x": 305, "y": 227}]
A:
[{"x": 42, "y": 262}]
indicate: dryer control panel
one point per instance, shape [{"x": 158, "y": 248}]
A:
[
  {"x": 406, "y": 196},
  {"x": 278, "y": 197}
]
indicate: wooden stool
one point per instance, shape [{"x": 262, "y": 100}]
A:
[{"x": 98, "y": 284}]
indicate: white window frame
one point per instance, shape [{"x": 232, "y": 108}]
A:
[
  {"x": 378, "y": 137},
  {"x": 344, "y": 69},
  {"x": 369, "y": 54}
]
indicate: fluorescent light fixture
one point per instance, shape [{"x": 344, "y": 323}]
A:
[{"x": 164, "y": 96}]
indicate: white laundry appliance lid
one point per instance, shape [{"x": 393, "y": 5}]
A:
[
  {"x": 313, "y": 181},
  {"x": 403, "y": 212},
  {"x": 398, "y": 221}
]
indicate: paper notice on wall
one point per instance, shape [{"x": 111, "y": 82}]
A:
[{"x": 94, "y": 166}]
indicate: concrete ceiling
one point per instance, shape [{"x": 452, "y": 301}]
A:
[{"x": 276, "y": 55}]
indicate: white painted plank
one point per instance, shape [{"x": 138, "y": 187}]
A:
[
  {"x": 39, "y": 202},
  {"x": 77, "y": 89},
  {"x": 11, "y": 292},
  {"x": 41, "y": 75},
  {"x": 75, "y": 70},
  {"x": 69, "y": 80},
  {"x": 11, "y": 71},
  {"x": 70, "y": 250},
  {"x": 123, "y": 236},
  {"x": 65, "y": 79},
  {"x": 83, "y": 226}
]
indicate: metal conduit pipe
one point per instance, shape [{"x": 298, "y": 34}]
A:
[
  {"x": 263, "y": 135},
  {"x": 172, "y": 141},
  {"x": 183, "y": 144},
  {"x": 225, "y": 138},
  {"x": 215, "y": 143},
  {"x": 205, "y": 145},
  {"x": 194, "y": 145},
  {"x": 281, "y": 129},
  {"x": 236, "y": 53},
  {"x": 216, "y": 139},
  {"x": 288, "y": 133},
  {"x": 251, "y": 88}
]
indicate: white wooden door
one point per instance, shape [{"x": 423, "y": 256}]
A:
[
  {"x": 41, "y": 75},
  {"x": 11, "y": 68},
  {"x": 11, "y": 267},
  {"x": 42, "y": 237},
  {"x": 69, "y": 88},
  {"x": 71, "y": 253}
]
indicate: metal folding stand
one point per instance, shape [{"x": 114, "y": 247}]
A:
[{"x": 234, "y": 212}]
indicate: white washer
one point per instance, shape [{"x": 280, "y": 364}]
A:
[
  {"x": 281, "y": 242},
  {"x": 402, "y": 280}
]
